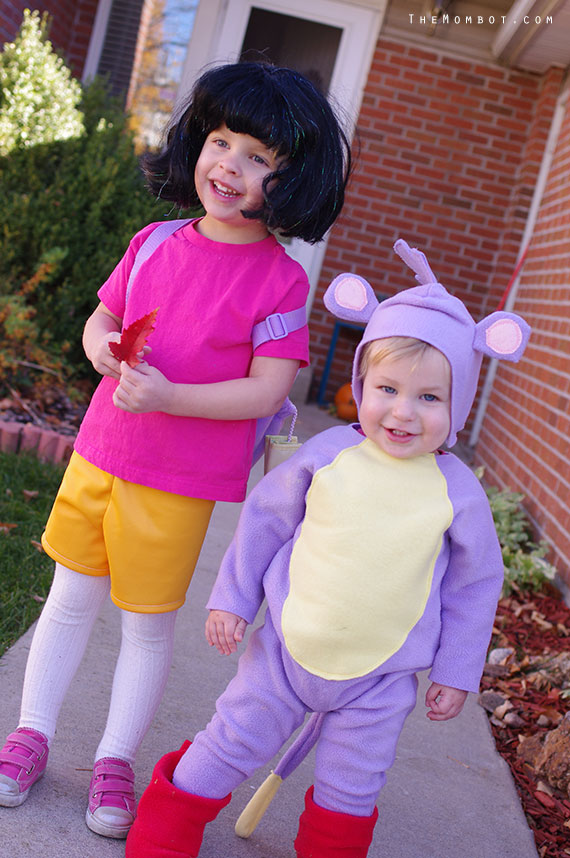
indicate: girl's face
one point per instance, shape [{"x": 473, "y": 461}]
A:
[
  {"x": 229, "y": 175},
  {"x": 406, "y": 404}
]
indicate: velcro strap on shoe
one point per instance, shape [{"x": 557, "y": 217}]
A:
[
  {"x": 28, "y": 742},
  {"x": 110, "y": 770},
  {"x": 16, "y": 759},
  {"x": 119, "y": 788}
]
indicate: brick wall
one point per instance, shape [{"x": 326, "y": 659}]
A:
[
  {"x": 70, "y": 31},
  {"x": 449, "y": 154},
  {"x": 524, "y": 441}
]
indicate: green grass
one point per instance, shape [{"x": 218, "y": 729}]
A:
[{"x": 25, "y": 572}]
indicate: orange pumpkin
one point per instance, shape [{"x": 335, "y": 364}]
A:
[{"x": 345, "y": 404}]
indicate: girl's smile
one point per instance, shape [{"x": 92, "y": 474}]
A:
[{"x": 229, "y": 180}]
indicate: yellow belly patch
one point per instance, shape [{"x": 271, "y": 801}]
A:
[{"x": 362, "y": 567}]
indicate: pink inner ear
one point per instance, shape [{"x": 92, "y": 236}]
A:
[
  {"x": 503, "y": 336},
  {"x": 350, "y": 293}
]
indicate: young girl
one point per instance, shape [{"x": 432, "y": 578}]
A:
[
  {"x": 379, "y": 558},
  {"x": 261, "y": 150}
]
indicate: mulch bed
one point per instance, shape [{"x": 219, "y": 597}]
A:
[
  {"x": 49, "y": 407},
  {"x": 531, "y": 626}
]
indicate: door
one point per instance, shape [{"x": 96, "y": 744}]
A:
[{"x": 329, "y": 41}]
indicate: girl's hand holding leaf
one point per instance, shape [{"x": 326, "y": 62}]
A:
[{"x": 142, "y": 388}]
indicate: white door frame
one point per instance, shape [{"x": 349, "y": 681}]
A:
[
  {"x": 217, "y": 36},
  {"x": 96, "y": 40}
]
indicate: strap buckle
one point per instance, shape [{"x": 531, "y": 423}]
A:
[{"x": 276, "y": 326}]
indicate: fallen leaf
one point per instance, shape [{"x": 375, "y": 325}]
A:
[
  {"x": 544, "y": 787},
  {"x": 6, "y": 528},
  {"x": 37, "y": 598},
  {"x": 540, "y": 621},
  {"x": 544, "y": 799},
  {"x": 554, "y": 716},
  {"x": 37, "y": 545},
  {"x": 133, "y": 339},
  {"x": 502, "y": 709},
  {"x": 29, "y": 495}
]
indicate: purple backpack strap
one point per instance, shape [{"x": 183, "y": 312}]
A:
[
  {"x": 274, "y": 327},
  {"x": 278, "y": 325},
  {"x": 149, "y": 245}
]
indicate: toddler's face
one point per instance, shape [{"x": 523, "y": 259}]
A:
[
  {"x": 228, "y": 176},
  {"x": 405, "y": 405}
]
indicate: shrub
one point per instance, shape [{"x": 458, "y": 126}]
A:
[
  {"x": 524, "y": 563},
  {"x": 84, "y": 197},
  {"x": 38, "y": 96},
  {"x": 24, "y": 349}
]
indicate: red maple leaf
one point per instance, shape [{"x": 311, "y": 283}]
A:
[{"x": 133, "y": 339}]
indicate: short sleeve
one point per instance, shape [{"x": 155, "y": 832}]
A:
[
  {"x": 112, "y": 293},
  {"x": 295, "y": 346}
]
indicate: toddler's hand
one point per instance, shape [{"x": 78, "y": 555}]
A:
[
  {"x": 225, "y": 630},
  {"x": 141, "y": 389},
  {"x": 444, "y": 702}
]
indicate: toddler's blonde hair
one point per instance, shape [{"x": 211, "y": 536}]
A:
[{"x": 392, "y": 347}]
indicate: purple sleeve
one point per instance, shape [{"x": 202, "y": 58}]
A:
[
  {"x": 268, "y": 521},
  {"x": 268, "y": 524},
  {"x": 471, "y": 585}
]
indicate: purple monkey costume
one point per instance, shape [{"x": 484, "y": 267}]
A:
[{"x": 373, "y": 568}]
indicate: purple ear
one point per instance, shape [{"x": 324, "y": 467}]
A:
[
  {"x": 502, "y": 335},
  {"x": 351, "y": 297}
]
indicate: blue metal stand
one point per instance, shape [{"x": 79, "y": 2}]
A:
[{"x": 330, "y": 355}]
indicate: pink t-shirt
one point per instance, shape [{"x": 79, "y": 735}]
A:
[{"x": 210, "y": 295}]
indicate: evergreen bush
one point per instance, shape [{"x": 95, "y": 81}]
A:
[
  {"x": 38, "y": 96},
  {"x": 81, "y": 199}
]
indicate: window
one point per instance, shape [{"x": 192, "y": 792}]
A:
[{"x": 165, "y": 28}]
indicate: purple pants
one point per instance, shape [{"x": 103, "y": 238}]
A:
[{"x": 266, "y": 702}]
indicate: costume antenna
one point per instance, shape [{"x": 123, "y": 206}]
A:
[{"x": 416, "y": 261}]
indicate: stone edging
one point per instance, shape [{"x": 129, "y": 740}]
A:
[{"x": 49, "y": 446}]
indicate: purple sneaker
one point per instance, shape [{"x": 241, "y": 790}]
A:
[
  {"x": 23, "y": 760},
  {"x": 111, "y": 810}
]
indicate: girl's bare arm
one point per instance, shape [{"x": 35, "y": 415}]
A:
[
  {"x": 260, "y": 394},
  {"x": 102, "y": 327}
]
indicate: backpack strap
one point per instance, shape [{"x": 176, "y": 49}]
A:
[
  {"x": 150, "y": 244},
  {"x": 278, "y": 325},
  {"x": 274, "y": 327}
]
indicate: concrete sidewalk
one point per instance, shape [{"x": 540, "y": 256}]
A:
[{"x": 448, "y": 795}]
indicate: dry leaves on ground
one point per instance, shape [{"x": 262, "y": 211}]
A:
[{"x": 526, "y": 691}]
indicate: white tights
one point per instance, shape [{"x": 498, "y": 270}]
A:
[{"x": 58, "y": 646}]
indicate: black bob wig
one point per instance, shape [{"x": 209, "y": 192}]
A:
[{"x": 290, "y": 116}]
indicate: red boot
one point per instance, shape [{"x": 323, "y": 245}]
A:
[
  {"x": 170, "y": 822},
  {"x": 328, "y": 834}
]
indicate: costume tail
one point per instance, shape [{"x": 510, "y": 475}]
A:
[{"x": 263, "y": 796}]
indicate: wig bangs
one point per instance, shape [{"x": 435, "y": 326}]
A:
[{"x": 253, "y": 108}]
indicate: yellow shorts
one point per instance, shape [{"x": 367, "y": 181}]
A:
[{"x": 146, "y": 539}]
